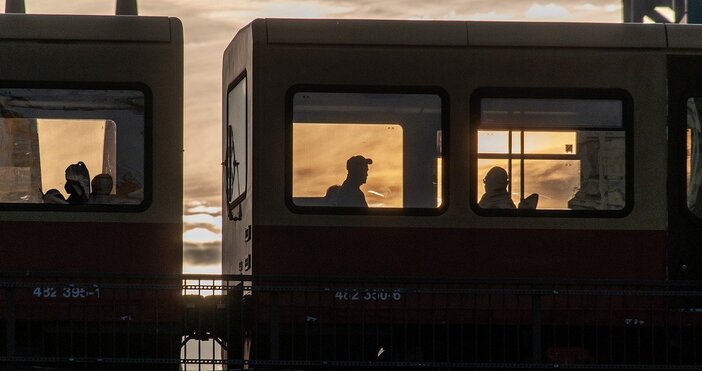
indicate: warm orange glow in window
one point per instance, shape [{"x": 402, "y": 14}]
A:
[
  {"x": 65, "y": 142},
  {"x": 688, "y": 156},
  {"x": 320, "y": 152},
  {"x": 493, "y": 141},
  {"x": 556, "y": 178},
  {"x": 539, "y": 142},
  {"x": 551, "y": 153},
  {"x": 556, "y": 181},
  {"x": 516, "y": 141}
]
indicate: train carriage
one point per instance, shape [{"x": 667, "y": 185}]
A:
[
  {"x": 480, "y": 150},
  {"x": 599, "y": 121},
  {"x": 107, "y": 92},
  {"x": 91, "y": 168}
]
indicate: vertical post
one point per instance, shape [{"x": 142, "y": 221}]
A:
[
  {"x": 536, "y": 329},
  {"x": 126, "y": 7},
  {"x": 15, "y": 6},
  {"x": 627, "y": 15}
]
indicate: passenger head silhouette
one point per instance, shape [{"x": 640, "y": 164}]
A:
[
  {"x": 357, "y": 167},
  {"x": 496, "y": 179},
  {"x": 102, "y": 184},
  {"x": 77, "y": 183}
]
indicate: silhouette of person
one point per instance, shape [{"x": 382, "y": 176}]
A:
[
  {"x": 102, "y": 186},
  {"x": 77, "y": 183},
  {"x": 496, "y": 195},
  {"x": 53, "y": 196},
  {"x": 349, "y": 194}
]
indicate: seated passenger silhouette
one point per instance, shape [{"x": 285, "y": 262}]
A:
[
  {"x": 54, "y": 196},
  {"x": 77, "y": 183},
  {"x": 349, "y": 194},
  {"x": 496, "y": 195},
  {"x": 102, "y": 186}
]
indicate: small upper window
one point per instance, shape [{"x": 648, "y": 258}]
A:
[
  {"x": 550, "y": 154},
  {"x": 71, "y": 147},
  {"x": 694, "y": 156},
  {"x": 366, "y": 150},
  {"x": 236, "y": 145}
]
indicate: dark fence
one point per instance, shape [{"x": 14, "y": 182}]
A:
[{"x": 237, "y": 322}]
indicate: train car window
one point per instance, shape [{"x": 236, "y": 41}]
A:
[
  {"x": 67, "y": 147},
  {"x": 550, "y": 154},
  {"x": 366, "y": 150},
  {"x": 694, "y": 156},
  {"x": 236, "y": 145}
]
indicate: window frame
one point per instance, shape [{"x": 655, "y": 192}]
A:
[
  {"x": 689, "y": 214},
  {"x": 231, "y": 201},
  {"x": 148, "y": 146},
  {"x": 367, "y": 89},
  {"x": 552, "y": 93}
]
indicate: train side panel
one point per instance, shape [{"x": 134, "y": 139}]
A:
[
  {"x": 458, "y": 238},
  {"x": 121, "y": 78}
]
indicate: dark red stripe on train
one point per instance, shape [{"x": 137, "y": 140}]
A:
[
  {"x": 445, "y": 252},
  {"x": 153, "y": 248}
]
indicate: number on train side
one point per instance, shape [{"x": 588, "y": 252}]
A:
[{"x": 45, "y": 292}]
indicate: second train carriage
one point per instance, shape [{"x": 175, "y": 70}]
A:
[
  {"x": 599, "y": 121},
  {"x": 421, "y": 151}
]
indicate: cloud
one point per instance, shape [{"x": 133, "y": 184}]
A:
[
  {"x": 203, "y": 269},
  {"x": 210, "y": 221},
  {"x": 102, "y": 7},
  {"x": 286, "y": 8},
  {"x": 198, "y": 254},
  {"x": 588, "y": 7},
  {"x": 201, "y": 235},
  {"x": 490, "y": 16},
  {"x": 613, "y": 8},
  {"x": 549, "y": 10},
  {"x": 199, "y": 207}
]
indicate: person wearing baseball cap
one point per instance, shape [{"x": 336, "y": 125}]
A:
[{"x": 349, "y": 193}]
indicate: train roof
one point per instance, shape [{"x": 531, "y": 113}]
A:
[
  {"x": 480, "y": 33},
  {"x": 85, "y": 28}
]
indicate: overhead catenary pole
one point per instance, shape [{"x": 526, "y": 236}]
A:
[
  {"x": 15, "y": 6},
  {"x": 126, "y": 7}
]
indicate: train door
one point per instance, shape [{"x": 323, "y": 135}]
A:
[{"x": 685, "y": 167}]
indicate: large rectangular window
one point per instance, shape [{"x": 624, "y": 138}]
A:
[
  {"x": 550, "y": 153},
  {"x": 72, "y": 147},
  {"x": 366, "y": 150}
]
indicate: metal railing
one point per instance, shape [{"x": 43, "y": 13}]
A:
[{"x": 237, "y": 322}]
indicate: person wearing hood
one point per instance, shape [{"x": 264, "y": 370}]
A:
[{"x": 496, "y": 195}]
